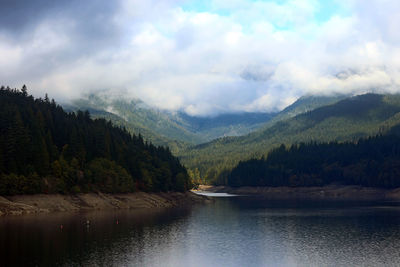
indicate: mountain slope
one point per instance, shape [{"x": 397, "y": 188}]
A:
[
  {"x": 371, "y": 162},
  {"x": 166, "y": 128},
  {"x": 210, "y": 128},
  {"x": 305, "y": 104},
  {"x": 348, "y": 119},
  {"x": 134, "y": 128},
  {"x": 141, "y": 118},
  {"x": 44, "y": 149}
]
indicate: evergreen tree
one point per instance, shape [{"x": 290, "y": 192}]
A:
[{"x": 44, "y": 149}]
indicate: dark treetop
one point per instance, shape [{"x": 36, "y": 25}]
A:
[
  {"x": 43, "y": 149},
  {"x": 373, "y": 162}
]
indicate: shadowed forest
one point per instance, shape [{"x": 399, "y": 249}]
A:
[
  {"x": 43, "y": 149},
  {"x": 372, "y": 162}
]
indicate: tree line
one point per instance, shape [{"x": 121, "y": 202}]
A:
[
  {"x": 371, "y": 162},
  {"x": 347, "y": 120},
  {"x": 43, "y": 149}
]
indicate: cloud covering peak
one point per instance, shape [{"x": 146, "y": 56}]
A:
[{"x": 214, "y": 57}]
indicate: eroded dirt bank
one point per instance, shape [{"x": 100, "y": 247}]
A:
[
  {"x": 28, "y": 204},
  {"x": 331, "y": 192}
]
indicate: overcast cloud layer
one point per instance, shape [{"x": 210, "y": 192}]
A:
[{"x": 220, "y": 56}]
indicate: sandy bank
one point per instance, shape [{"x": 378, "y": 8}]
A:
[
  {"x": 28, "y": 204},
  {"x": 331, "y": 192}
]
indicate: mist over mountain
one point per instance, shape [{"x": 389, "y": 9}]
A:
[
  {"x": 203, "y": 58},
  {"x": 163, "y": 126},
  {"x": 179, "y": 129},
  {"x": 346, "y": 120}
]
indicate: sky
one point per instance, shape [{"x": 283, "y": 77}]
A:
[{"x": 201, "y": 57}]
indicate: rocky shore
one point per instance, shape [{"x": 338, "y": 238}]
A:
[
  {"x": 331, "y": 192},
  {"x": 30, "y": 204}
]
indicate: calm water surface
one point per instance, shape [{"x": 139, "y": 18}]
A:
[{"x": 233, "y": 231}]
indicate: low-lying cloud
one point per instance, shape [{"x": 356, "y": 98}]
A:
[{"x": 226, "y": 56}]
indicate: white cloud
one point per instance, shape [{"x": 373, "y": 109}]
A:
[
  {"x": 10, "y": 57},
  {"x": 254, "y": 56}
]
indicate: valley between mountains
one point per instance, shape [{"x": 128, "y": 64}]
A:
[{"x": 210, "y": 147}]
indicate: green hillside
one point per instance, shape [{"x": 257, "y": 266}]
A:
[
  {"x": 175, "y": 129},
  {"x": 131, "y": 127},
  {"x": 43, "y": 149},
  {"x": 305, "y": 104},
  {"x": 348, "y": 119},
  {"x": 210, "y": 128},
  {"x": 154, "y": 125},
  {"x": 373, "y": 162},
  {"x": 247, "y": 135}
]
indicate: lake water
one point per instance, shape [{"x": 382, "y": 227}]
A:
[{"x": 233, "y": 231}]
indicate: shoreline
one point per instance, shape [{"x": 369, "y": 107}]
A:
[
  {"x": 329, "y": 192},
  {"x": 42, "y": 203}
]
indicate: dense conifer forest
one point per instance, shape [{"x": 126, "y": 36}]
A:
[
  {"x": 372, "y": 162},
  {"x": 43, "y": 149},
  {"x": 346, "y": 120}
]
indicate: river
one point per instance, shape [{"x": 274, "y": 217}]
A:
[{"x": 232, "y": 231}]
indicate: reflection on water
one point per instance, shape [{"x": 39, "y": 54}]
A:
[
  {"x": 95, "y": 238},
  {"x": 239, "y": 231},
  {"x": 211, "y": 194}
]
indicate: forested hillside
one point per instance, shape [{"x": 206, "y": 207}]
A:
[
  {"x": 235, "y": 124},
  {"x": 373, "y": 162},
  {"x": 132, "y": 127},
  {"x": 177, "y": 129},
  {"x": 305, "y": 104},
  {"x": 44, "y": 150},
  {"x": 346, "y": 120},
  {"x": 138, "y": 117}
]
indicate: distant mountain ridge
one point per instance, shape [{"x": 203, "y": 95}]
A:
[
  {"x": 213, "y": 144},
  {"x": 163, "y": 127},
  {"x": 305, "y": 104},
  {"x": 166, "y": 128},
  {"x": 346, "y": 120}
]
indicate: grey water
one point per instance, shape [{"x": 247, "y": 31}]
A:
[{"x": 232, "y": 231}]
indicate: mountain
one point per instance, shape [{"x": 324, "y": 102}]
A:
[
  {"x": 133, "y": 127},
  {"x": 43, "y": 149},
  {"x": 305, "y": 104},
  {"x": 176, "y": 129},
  {"x": 213, "y": 144},
  {"x": 236, "y": 124},
  {"x": 346, "y": 120},
  {"x": 151, "y": 123}
]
